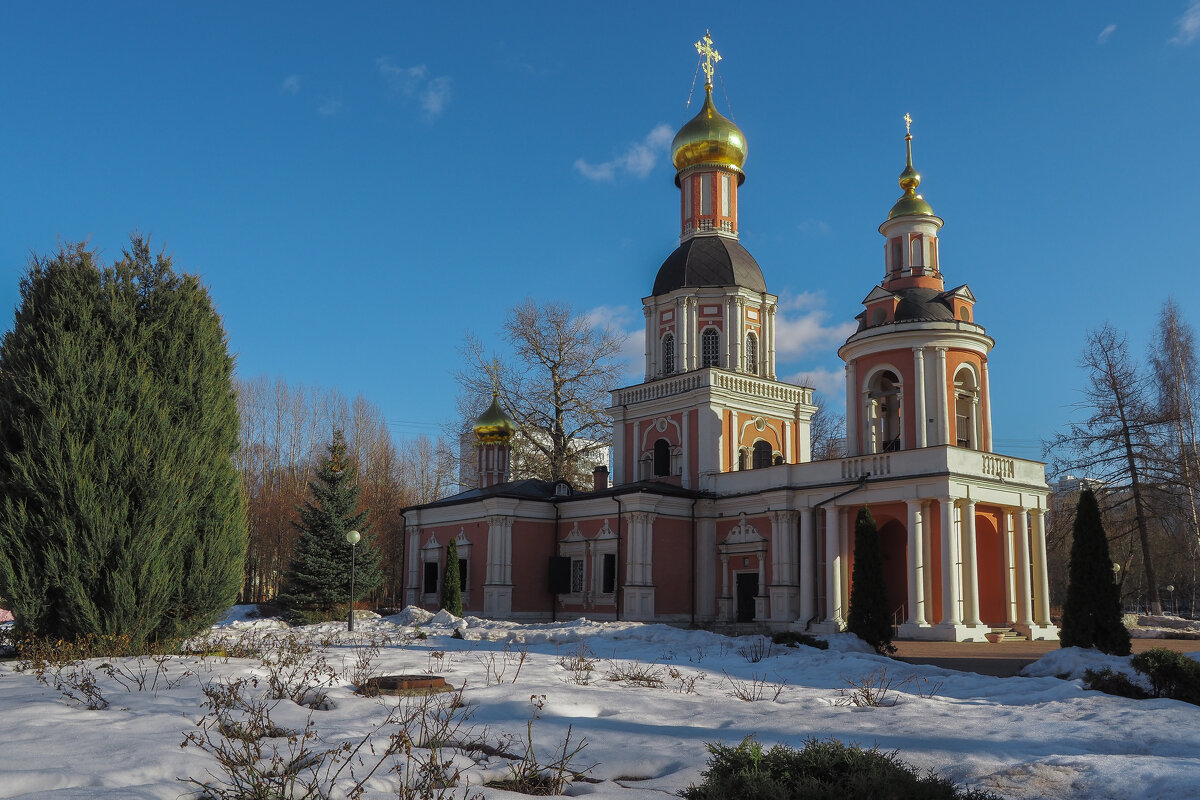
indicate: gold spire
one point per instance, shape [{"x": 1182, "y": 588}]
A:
[
  {"x": 711, "y": 57},
  {"x": 709, "y": 138},
  {"x": 911, "y": 203}
]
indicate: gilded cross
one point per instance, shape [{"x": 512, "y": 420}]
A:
[
  {"x": 711, "y": 57},
  {"x": 907, "y": 124}
]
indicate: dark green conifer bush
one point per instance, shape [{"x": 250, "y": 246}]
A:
[
  {"x": 870, "y": 618},
  {"x": 821, "y": 770},
  {"x": 452, "y": 584},
  {"x": 1092, "y": 611},
  {"x": 121, "y": 512}
]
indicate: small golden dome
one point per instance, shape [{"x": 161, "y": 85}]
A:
[
  {"x": 494, "y": 425},
  {"x": 709, "y": 138},
  {"x": 911, "y": 204}
]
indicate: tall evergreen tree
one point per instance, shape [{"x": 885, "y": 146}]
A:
[
  {"x": 452, "y": 584},
  {"x": 1092, "y": 613},
  {"x": 869, "y": 617},
  {"x": 120, "y": 508},
  {"x": 318, "y": 579}
]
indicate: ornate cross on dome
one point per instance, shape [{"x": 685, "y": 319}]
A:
[
  {"x": 711, "y": 57},
  {"x": 907, "y": 124}
]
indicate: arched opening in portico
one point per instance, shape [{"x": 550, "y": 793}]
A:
[
  {"x": 893, "y": 542},
  {"x": 989, "y": 551}
]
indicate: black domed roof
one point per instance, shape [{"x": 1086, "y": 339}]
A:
[
  {"x": 709, "y": 261},
  {"x": 923, "y": 305}
]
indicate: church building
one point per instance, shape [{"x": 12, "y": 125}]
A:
[{"x": 716, "y": 513}]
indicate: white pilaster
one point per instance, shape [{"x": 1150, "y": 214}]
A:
[
  {"x": 808, "y": 567},
  {"x": 1010, "y": 593},
  {"x": 1021, "y": 546},
  {"x": 916, "y": 565},
  {"x": 986, "y": 391},
  {"x": 853, "y": 428},
  {"x": 922, "y": 418},
  {"x": 685, "y": 448},
  {"x": 784, "y": 591},
  {"x": 498, "y": 585},
  {"x": 950, "y": 596},
  {"x": 683, "y": 334},
  {"x": 1041, "y": 584},
  {"x": 944, "y": 414},
  {"x": 970, "y": 565},
  {"x": 651, "y": 340},
  {"x": 833, "y": 569},
  {"x": 734, "y": 442},
  {"x": 771, "y": 339}
]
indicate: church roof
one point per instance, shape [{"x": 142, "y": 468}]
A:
[
  {"x": 709, "y": 261},
  {"x": 916, "y": 305}
]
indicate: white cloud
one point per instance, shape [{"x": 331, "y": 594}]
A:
[
  {"x": 622, "y": 320},
  {"x": 328, "y": 106},
  {"x": 1104, "y": 34},
  {"x": 638, "y": 159},
  {"x": 414, "y": 83},
  {"x": 290, "y": 85},
  {"x": 1188, "y": 25},
  {"x": 830, "y": 383},
  {"x": 803, "y": 329}
]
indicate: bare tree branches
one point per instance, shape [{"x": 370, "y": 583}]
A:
[{"x": 554, "y": 382}]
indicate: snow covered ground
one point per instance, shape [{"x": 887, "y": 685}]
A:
[{"x": 1020, "y": 737}]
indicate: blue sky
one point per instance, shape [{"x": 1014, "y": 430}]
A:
[{"x": 361, "y": 184}]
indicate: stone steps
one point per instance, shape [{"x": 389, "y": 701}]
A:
[{"x": 1009, "y": 635}]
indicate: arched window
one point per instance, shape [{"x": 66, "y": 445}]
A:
[
  {"x": 668, "y": 354},
  {"x": 917, "y": 253},
  {"x": 966, "y": 409},
  {"x": 710, "y": 348},
  {"x": 743, "y": 458},
  {"x": 662, "y": 457},
  {"x": 883, "y": 402},
  {"x": 751, "y": 353},
  {"x": 762, "y": 454}
]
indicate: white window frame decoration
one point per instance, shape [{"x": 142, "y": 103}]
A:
[
  {"x": 975, "y": 397},
  {"x": 751, "y": 353},
  {"x": 575, "y": 546},
  {"x": 602, "y": 544},
  {"x": 464, "y": 554},
  {"x": 431, "y": 553},
  {"x": 668, "y": 353}
]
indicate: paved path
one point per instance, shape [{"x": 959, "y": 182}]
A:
[{"x": 1007, "y": 658}]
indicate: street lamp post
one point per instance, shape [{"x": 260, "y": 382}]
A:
[
  {"x": 352, "y": 537},
  {"x": 1171, "y": 589}
]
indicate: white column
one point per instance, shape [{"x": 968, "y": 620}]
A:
[
  {"x": 922, "y": 418},
  {"x": 1041, "y": 585},
  {"x": 943, "y": 415},
  {"x": 739, "y": 335},
  {"x": 731, "y": 362},
  {"x": 735, "y": 437},
  {"x": 771, "y": 342},
  {"x": 637, "y": 451},
  {"x": 927, "y": 557},
  {"x": 1010, "y": 595},
  {"x": 787, "y": 441},
  {"x": 724, "y": 575},
  {"x": 950, "y": 612},
  {"x": 833, "y": 568},
  {"x": 986, "y": 391},
  {"x": 682, "y": 334},
  {"x": 853, "y": 428},
  {"x": 651, "y": 339},
  {"x": 685, "y": 446},
  {"x": 916, "y": 565},
  {"x": 970, "y": 565},
  {"x": 694, "y": 326},
  {"x": 1021, "y": 545},
  {"x": 808, "y": 566}
]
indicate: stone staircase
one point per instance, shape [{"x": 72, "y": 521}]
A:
[{"x": 1009, "y": 635}]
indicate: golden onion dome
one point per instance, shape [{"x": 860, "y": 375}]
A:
[
  {"x": 911, "y": 204},
  {"x": 494, "y": 425},
  {"x": 709, "y": 138}
]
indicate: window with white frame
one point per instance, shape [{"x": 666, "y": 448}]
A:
[
  {"x": 604, "y": 566},
  {"x": 710, "y": 348},
  {"x": 705, "y": 195},
  {"x": 577, "y": 576},
  {"x": 751, "y": 353},
  {"x": 431, "y": 569},
  {"x": 883, "y": 404},
  {"x": 726, "y": 191},
  {"x": 668, "y": 354}
]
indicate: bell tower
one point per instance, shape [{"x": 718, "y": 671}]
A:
[
  {"x": 916, "y": 368},
  {"x": 710, "y": 401}
]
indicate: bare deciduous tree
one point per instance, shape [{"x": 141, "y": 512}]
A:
[
  {"x": 827, "y": 432},
  {"x": 554, "y": 382},
  {"x": 1120, "y": 440}
]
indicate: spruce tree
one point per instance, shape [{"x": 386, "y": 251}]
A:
[
  {"x": 120, "y": 508},
  {"x": 318, "y": 579},
  {"x": 452, "y": 583},
  {"x": 869, "y": 617},
  {"x": 1092, "y": 613}
]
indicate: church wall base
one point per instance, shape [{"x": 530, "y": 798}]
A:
[
  {"x": 638, "y": 603},
  {"x": 1036, "y": 632}
]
